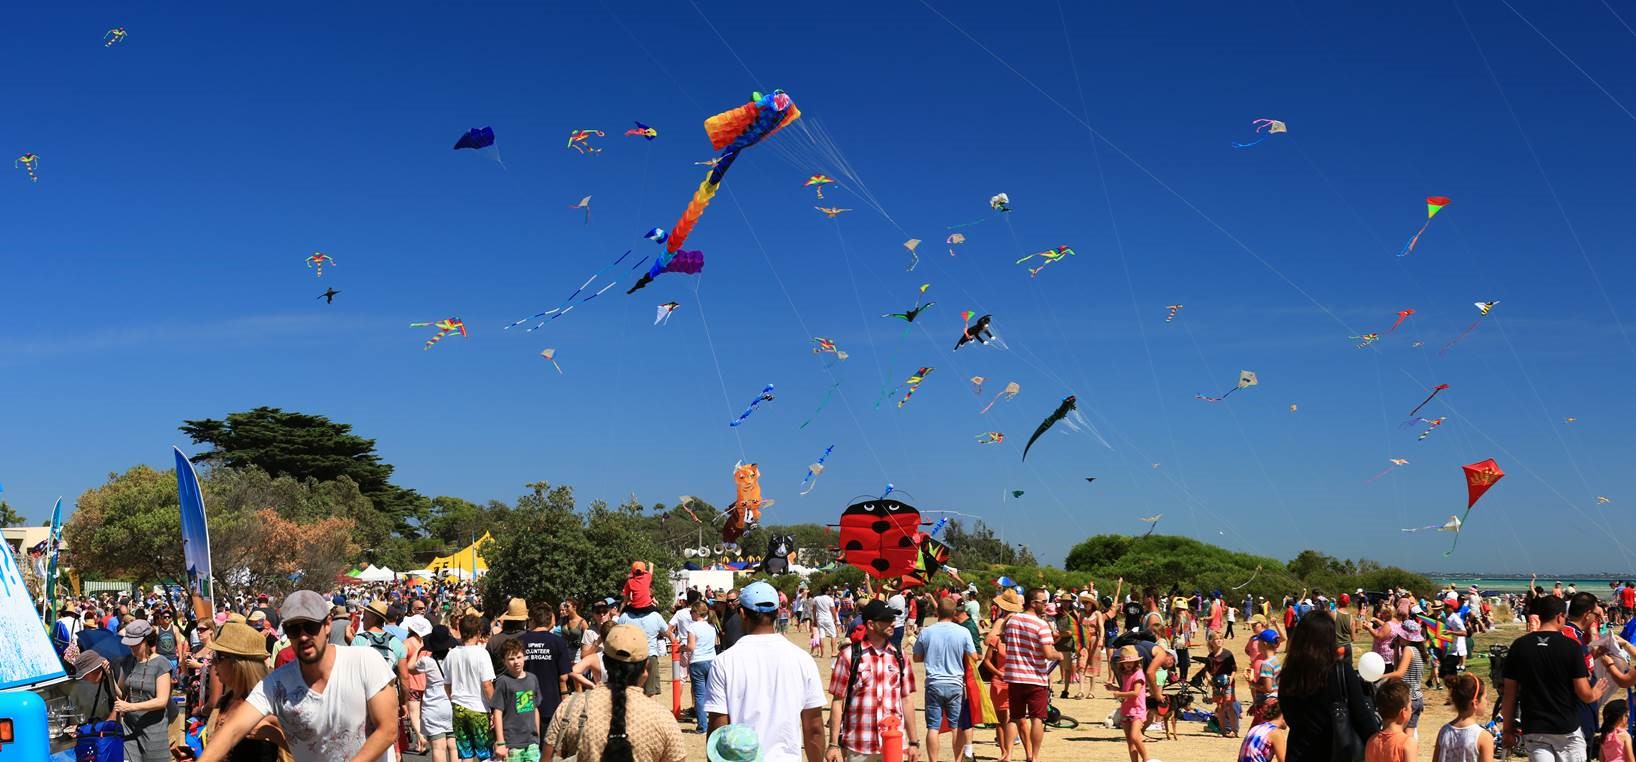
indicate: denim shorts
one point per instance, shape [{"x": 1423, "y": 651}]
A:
[{"x": 946, "y": 700}]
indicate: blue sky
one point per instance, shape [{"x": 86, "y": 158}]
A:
[{"x": 155, "y": 271}]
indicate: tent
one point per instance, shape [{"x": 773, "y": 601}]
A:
[
  {"x": 464, "y": 563},
  {"x": 373, "y": 573}
]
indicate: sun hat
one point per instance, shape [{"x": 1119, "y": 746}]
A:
[
  {"x": 759, "y": 596},
  {"x": 1410, "y": 631},
  {"x": 733, "y": 743},
  {"x": 418, "y": 625},
  {"x": 626, "y": 643},
  {"x": 136, "y": 632},
  {"x": 378, "y": 608},
  {"x": 440, "y": 640},
  {"x": 240, "y": 640},
  {"x": 258, "y": 616},
  {"x": 1009, "y": 600},
  {"x": 516, "y": 611},
  {"x": 1129, "y": 653},
  {"x": 304, "y": 605},
  {"x": 87, "y": 662}
]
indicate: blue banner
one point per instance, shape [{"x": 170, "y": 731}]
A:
[
  {"x": 195, "y": 537},
  {"x": 26, "y": 655}
]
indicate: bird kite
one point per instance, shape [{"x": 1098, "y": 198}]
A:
[
  {"x": 745, "y": 512},
  {"x": 318, "y": 259},
  {"x": 1009, "y": 392},
  {"x": 1483, "y": 308},
  {"x": 1049, "y": 255},
  {"x": 1246, "y": 379},
  {"x": 815, "y": 470},
  {"x": 827, "y": 346},
  {"x": 954, "y": 239},
  {"x": 1266, "y": 128},
  {"x": 1152, "y": 522},
  {"x": 817, "y": 183},
  {"x": 550, "y": 354},
  {"x": 1090, "y": 478},
  {"x": 978, "y": 331},
  {"x": 990, "y": 437},
  {"x": 1067, "y": 406},
  {"x": 1431, "y": 425},
  {"x": 830, "y": 211},
  {"x": 1367, "y": 339},
  {"x": 328, "y": 296},
  {"x": 477, "y": 139},
  {"x": 1173, "y": 309},
  {"x": 1395, "y": 463},
  {"x": 663, "y": 315},
  {"x": 878, "y": 536},
  {"x": 565, "y": 306},
  {"x": 911, "y": 245},
  {"x": 910, "y": 315},
  {"x": 913, "y": 382},
  {"x": 1435, "y": 390},
  {"x": 643, "y": 131},
  {"x": 113, "y": 37},
  {"x": 730, "y": 132},
  {"x": 1402, "y": 315},
  {"x": 444, "y": 327},
  {"x": 1000, "y": 202},
  {"x": 1452, "y": 525},
  {"x": 766, "y": 395},
  {"x": 1434, "y": 204},
  {"x": 580, "y": 140},
  {"x": 1479, "y": 477},
  {"x": 28, "y": 162},
  {"x": 584, "y": 203}
]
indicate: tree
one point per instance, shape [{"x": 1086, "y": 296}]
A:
[
  {"x": 268, "y": 553},
  {"x": 128, "y": 528},
  {"x": 10, "y": 517},
  {"x": 980, "y": 548}
]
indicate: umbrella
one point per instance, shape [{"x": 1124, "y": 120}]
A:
[{"x": 105, "y": 643}]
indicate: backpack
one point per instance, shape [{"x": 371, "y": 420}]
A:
[
  {"x": 102, "y": 741},
  {"x": 381, "y": 643}
]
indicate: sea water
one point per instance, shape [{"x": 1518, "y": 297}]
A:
[{"x": 1496, "y": 585}]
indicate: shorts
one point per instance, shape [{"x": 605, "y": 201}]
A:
[
  {"x": 826, "y": 628},
  {"x": 1029, "y": 701},
  {"x": 1448, "y": 666},
  {"x": 1554, "y": 747},
  {"x": 529, "y": 753},
  {"x": 1417, "y": 706},
  {"x": 473, "y": 737},
  {"x": 438, "y": 736},
  {"x": 947, "y": 701},
  {"x": 652, "y": 688}
]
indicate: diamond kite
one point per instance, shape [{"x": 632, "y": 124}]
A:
[
  {"x": 1009, "y": 392},
  {"x": 1479, "y": 477},
  {"x": 550, "y": 354},
  {"x": 1434, "y": 204},
  {"x": 1266, "y": 128}
]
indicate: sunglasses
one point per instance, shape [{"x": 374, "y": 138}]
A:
[{"x": 305, "y": 627}]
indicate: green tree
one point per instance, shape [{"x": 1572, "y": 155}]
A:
[
  {"x": 9, "y": 517},
  {"x": 129, "y": 528},
  {"x": 980, "y": 548},
  {"x": 548, "y": 552}
]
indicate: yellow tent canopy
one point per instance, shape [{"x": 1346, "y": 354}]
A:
[{"x": 466, "y": 562}]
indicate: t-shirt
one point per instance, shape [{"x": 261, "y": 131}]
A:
[
  {"x": 944, "y": 646},
  {"x": 1388, "y": 745},
  {"x": 517, "y": 698},
  {"x": 1627, "y": 597},
  {"x": 1133, "y": 614},
  {"x": 900, "y": 610},
  {"x": 1343, "y": 628},
  {"x": 379, "y": 643},
  {"x": 1455, "y": 622},
  {"x": 824, "y": 609},
  {"x": 467, "y": 667},
  {"x": 321, "y": 727},
  {"x": 976, "y": 637},
  {"x": 974, "y": 611},
  {"x": 639, "y": 589},
  {"x": 732, "y": 628},
  {"x": 436, "y": 714},
  {"x": 651, "y": 624},
  {"x": 1134, "y": 707},
  {"x": 766, "y": 682},
  {"x": 680, "y": 620},
  {"x": 547, "y": 657},
  {"x": 1025, "y": 637},
  {"x": 704, "y": 640},
  {"x": 1545, "y": 664}
]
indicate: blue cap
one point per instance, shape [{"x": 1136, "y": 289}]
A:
[
  {"x": 1267, "y": 636},
  {"x": 339, "y": 600},
  {"x": 758, "y": 596}
]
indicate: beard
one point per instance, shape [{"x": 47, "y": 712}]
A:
[{"x": 318, "y": 647}]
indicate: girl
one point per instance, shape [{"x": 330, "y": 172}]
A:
[
  {"x": 436, "y": 713},
  {"x": 702, "y": 638},
  {"x": 1131, "y": 690},
  {"x": 1090, "y": 664},
  {"x": 1221, "y": 666},
  {"x": 993, "y": 666},
  {"x": 1613, "y": 738},
  {"x": 1265, "y": 743},
  {"x": 1463, "y": 739},
  {"x": 1411, "y": 669}
]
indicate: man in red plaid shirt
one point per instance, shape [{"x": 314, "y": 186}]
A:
[
  {"x": 1028, "y": 646},
  {"x": 884, "y": 687}
]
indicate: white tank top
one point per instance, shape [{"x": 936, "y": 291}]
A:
[{"x": 1458, "y": 744}]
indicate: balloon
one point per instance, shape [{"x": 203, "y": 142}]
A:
[{"x": 1371, "y": 667}]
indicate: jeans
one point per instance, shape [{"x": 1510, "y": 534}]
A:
[
  {"x": 1554, "y": 747},
  {"x": 945, "y": 701},
  {"x": 699, "y": 673}
]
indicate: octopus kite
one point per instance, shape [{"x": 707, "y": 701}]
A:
[
  {"x": 913, "y": 383},
  {"x": 1266, "y": 128},
  {"x": 1434, "y": 204},
  {"x": 642, "y": 131},
  {"x": 1062, "y": 411},
  {"x": 817, "y": 183},
  {"x": 580, "y": 140},
  {"x": 990, "y": 437},
  {"x": 1050, "y": 256},
  {"x": 113, "y": 37},
  {"x": 830, "y": 211},
  {"x": 765, "y": 396},
  {"x": 978, "y": 332},
  {"x": 827, "y": 346},
  {"x": 317, "y": 260},
  {"x": 1172, "y": 310},
  {"x": 28, "y": 162},
  {"x": 444, "y": 327}
]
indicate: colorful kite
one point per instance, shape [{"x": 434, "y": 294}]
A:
[
  {"x": 1483, "y": 308},
  {"x": 878, "y": 536},
  {"x": 1173, "y": 309},
  {"x": 1569, "y": 419},
  {"x": 444, "y": 327},
  {"x": 913, "y": 383},
  {"x": 328, "y": 296},
  {"x": 550, "y": 355},
  {"x": 1402, "y": 315},
  {"x": 580, "y": 140},
  {"x": 910, "y": 315},
  {"x": 685, "y": 262},
  {"x": 1431, "y": 425},
  {"x": 318, "y": 259},
  {"x": 911, "y": 245},
  {"x": 1395, "y": 463},
  {"x": 831, "y": 211},
  {"x": 827, "y": 346},
  {"x": 745, "y": 512},
  {"x": 1603, "y": 500},
  {"x": 1434, "y": 204},
  {"x": 566, "y": 306},
  {"x": 931, "y": 556},
  {"x": 978, "y": 331},
  {"x": 584, "y": 203},
  {"x": 1435, "y": 390},
  {"x": 1479, "y": 477},
  {"x": 990, "y": 437},
  {"x": 815, "y": 470},
  {"x": 977, "y": 385},
  {"x": 643, "y": 131},
  {"x": 1067, "y": 406},
  {"x": 817, "y": 183},
  {"x": 28, "y": 162},
  {"x": 1266, "y": 128},
  {"x": 1367, "y": 339},
  {"x": 954, "y": 239},
  {"x": 663, "y": 315},
  {"x": 1009, "y": 392},
  {"x": 1246, "y": 379},
  {"x": 113, "y": 37},
  {"x": 1050, "y": 256},
  {"x": 765, "y": 396},
  {"x": 1452, "y": 525},
  {"x": 999, "y": 202}
]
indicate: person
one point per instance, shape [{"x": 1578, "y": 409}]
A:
[
  {"x": 613, "y": 723},
  {"x": 638, "y": 589},
  {"x": 1464, "y": 739},
  {"x": 1311, "y": 682},
  {"x": 1092, "y": 625},
  {"x": 471, "y": 688},
  {"x": 1028, "y": 647},
  {"x": 1585, "y": 617},
  {"x": 436, "y": 713},
  {"x": 824, "y": 620},
  {"x": 1454, "y": 624},
  {"x": 1411, "y": 669},
  {"x": 963, "y": 617},
  {"x": 1545, "y": 671},
  {"x": 700, "y": 636},
  {"x": 549, "y": 658},
  {"x": 1344, "y": 626},
  {"x": 1221, "y": 666},
  {"x": 1006, "y": 604},
  {"x": 1392, "y": 743},
  {"x": 516, "y": 718},
  {"x": 147, "y": 688},
  {"x": 332, "y": 702},
  {"x": 374, "y": 636},
  {"x": 241, "y": 664},
  {"x": 652, "y": 623},
  {"x": 943, "y": 648},
  {"x": 1267, "y": 742},
  {"x": 1129, "y": 685},
  {"x": 859, "y": 705},
  {"x": 340, "y": 626},
  {"x": 512, "y": 624},
  {"x": 1182, "y": 624},
  {"x": 571, "y": 626},
  {"x": 65, "y": 631},
  {"x": 416, "y": 627},
  {"x": 1068, "y": 637},
  {"x": 731, "y": 625},
  {"x": 93, "y": 693},
  {"x": 766, "y": 683},
  {"x": 899, "y": 605},
  {"x": 1613, "y": 735}
]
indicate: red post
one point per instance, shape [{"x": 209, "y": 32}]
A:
[
  {"x": 891, "y": 739},
  {"x": 676, "y": 681}
]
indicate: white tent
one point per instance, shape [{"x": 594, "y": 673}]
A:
[{"x": 373, "y": 573}]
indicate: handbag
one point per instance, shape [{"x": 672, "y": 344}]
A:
[
  {"x": 579, "y": 729},
  {"x": 1344, "y": 743}
]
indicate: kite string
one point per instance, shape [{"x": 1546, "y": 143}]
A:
[
  {"x": 727, "y": 400},
  {"x": 1559, "y": 51}
]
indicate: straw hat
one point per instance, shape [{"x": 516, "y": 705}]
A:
[
  {"x": 516, "y": 611},
  {"x": 236, "y": 639},
  {"x": 378, "y": 608},
  {"x": 1009, "y": 600},
  {"x": 1129, "y": 653}
]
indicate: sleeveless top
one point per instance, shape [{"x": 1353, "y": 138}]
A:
[
  {"x": 1257, "y": 745},
  {"x": 1613, "y": 748},
  {"x": 1458, "y": 744}
]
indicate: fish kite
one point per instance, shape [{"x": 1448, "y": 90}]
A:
[
  {"x": 642, "y": 131},
  {"x": 318, "y": 259},
  {"x": 1174, "y": 308},
  {"x": 1483, "y": 308},
  {"x": 1395, "y": 463},
  {"x": 1452, "y": 525},
  {"x": 1067, "y": 406},
  {"x": 1402, "y": 315},
  {"x": 1050, "y": 256},
  {"x": 1009, "y": 392},
  {"x": 565, "y": 307},
  {"x": 584, "y": 203},
  {"x": 1367, "y": 339},
  {"x": 827, "y": 346},
  {"x": 1434, "y": 204},
  {"x": 113, "y": 37},
  {"x": 815, "y": 470},
  {"x": 831, "y": 211},
  {"x": 28, "y": 162},
  {"x": 1266, "y": 128},
  {"x": 913, "y": 383},
  {"x": 328, "y": 296},
  {"x": 765, "y": 396},
  {"x": 990, "y": 437},
  {"x": 977, "y": 385},
  {"x": 911, "y": 245},
  {"x": 978, "y": 331},
  {"x": 1435, "y": 390},
  {"x": 444, "y": 327},
  {"x": 1152, "y": 522},
  {"x": 1246, "y": 379},
  {"x": 954, "y": 239},
  {"x": 817, "y": 183},
  {"x": 551, "y": 355},
  {"x": 1479, "y": 477},
  {"x": 1431, "y": 425},
  {"x": 580, "y": 140}
]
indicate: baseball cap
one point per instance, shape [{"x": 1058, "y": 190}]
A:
[
  {"x": 1267, "y": 636},
  {"x": 878, "y": 611},
  {"x": 759, "y": 596},
  {"x": 1345, "y": 599},
  {"x": 304, "y": 605},
  {"x": 626, "y": 643},
  {"x": 135, "y": 632}
]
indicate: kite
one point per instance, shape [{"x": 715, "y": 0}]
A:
[
  {"x": 878, "y": 536},
  {"x": 584, "y": 203},
  {"x": 1452, "y": 525},
  {"x": 913, "y": 383},
  {"x": 1049, "y": 255},
  {"x": 685, "y": 262},
  {"x": 1090, "y": 478},
  {"x": 1418, "y": 344},
  {"x": 477, "y": 139},
  {"x": 1603, "y": 500},
  {"x": 1367, "y": 339},
  {"x": 1479, "y": 477},
  {"x": 815, "y": 470},
  {"x": 328, "y": 296},
  {"x": 821, "y": 404},
  {"x": 565, "y": 307},
  {"x": 931, "y": 556},
  {"x": 978, "y": 331},
  {"x": 1292, "y": 407},
  {"x": 1266, "y": 128},
  {"x": 1569, "y": 419},
  {"x": 643, "y": 131},
  {"x": 817, "y": 183},
  {"x": 1016, "y": 493},
  {"x": 318, "y": 259},
  {"x": 954, "y": 239},
  {"x": 551, "y": 355},
  {"x": 1483, "y": 308},
  {"x": 745, "y": 512},
  {"x": 730, "y": 132},
  {"x": 765, "y": 396},
  {"x": 1173, "y": 308},
  {"x": 1402, "y": 315},
  {"x": 580, "y": 140},
  {"x": 1431, "y": 425},
  {"x": 711, "y": 162},
  {"x": 1246, "y": 379},
  {"x": 28, "y": 162},
  {"x": 1434, "y": 204},
  {"x": 831, "y": 211},
  {"x": 444, "y": 327},
  {"x": 911, "y": 245},
  {"x": 910, "y": 315},
  {"x": 990, "y": 437},
  {"x": 1000, "y": 202},
  {"x": 1435, "y": 390},
  {"x": 656, "y": 235},
  {"x": 1152, "y": 522},
  {"x": 113, "y": 37},
  {"x": 1009, "y": 392},
  {"x": 827, "y": 345},
  {"x": 977, "y": 385},
  {"x": 1395, "y": 463},
  {"x": 1068, "y": 404}
]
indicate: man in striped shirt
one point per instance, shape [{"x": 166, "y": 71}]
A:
[{"x": 1028, "y": 648}]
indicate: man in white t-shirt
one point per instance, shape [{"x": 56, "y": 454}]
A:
[
  {"x": 900, "y": 616},
  {"x": 765, "y": 682},
  {"x": 823, "y": 611},
  {"x": 333, "y": 702}
]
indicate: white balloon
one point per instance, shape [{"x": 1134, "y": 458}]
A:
[{"x": 1371, "y": 667}]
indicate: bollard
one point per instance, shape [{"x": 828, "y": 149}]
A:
[
  {"x": 676, "y": 680},
  {"x": 891, "y": 739}
]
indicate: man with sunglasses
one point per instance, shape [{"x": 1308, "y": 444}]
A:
[{"x": 333, "y": 702}]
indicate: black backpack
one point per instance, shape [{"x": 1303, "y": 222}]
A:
[{"x": 852, "y": 676}]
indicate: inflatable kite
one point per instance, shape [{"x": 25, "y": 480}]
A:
[
  {"x": 444, "y": 327},
  {"x": 1246, "y": 379},
  {"x": 977, "y": 332},
  {"x": 113, "y": 37},
  {"x": 685, "y": 262},
  {"x": 999, "y": 202},
  {"x": 765, "y": 396},
  {"x": 1049, "y": 255},
  {"x": 1068, "y": 405},
  {"x": 780, "y": 554},
  {"x": 817, "y": 183},
  {"x": 1266, "y": 128},
  {"x": 318, "y": 259},
  {"x": 1434, "y": 204},
  {"x": 643, "y": 131},
  {"x": 745, "y": 512},
  {"x": 1479, "y": 477},
  {"x": 878, "y": 536},
  {"x": 28, "y": 162},
  {"x": 815, "y": 470}
]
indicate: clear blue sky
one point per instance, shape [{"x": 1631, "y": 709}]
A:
[{"x": 155, "y": 272}]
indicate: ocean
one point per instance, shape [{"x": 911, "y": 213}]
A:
[{"x": 1520, "y": 584}]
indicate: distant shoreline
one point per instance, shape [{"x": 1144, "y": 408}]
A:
[{"x": 1516, "y": 584}]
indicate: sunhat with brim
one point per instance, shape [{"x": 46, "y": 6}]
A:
[
  {"x": 378, "y": 608},
  {"x": 1009, "y": 600},
  {"x": 240, "y": 640},
  {"x": 1129, "y": 653},
  {"x": 440, "y": 640},
  {"x": 418, "y": 625},
  {"x": 136, "y": 632},
  {"x": 733, "y": 743},
  {"x": 1410, "y": 631},
  {"x": 88, "y": 662},
  {"x": 516, "y": 611}
]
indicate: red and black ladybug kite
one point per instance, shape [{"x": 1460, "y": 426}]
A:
[{"x": 878, "y": 536}]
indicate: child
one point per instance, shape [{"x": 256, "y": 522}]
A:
[
  {"x": 1131, "y": 690},
  {"x": 1612, "y": 738},
  {"x": 1263, "y": 674},
  {"x": 1463, "y": 739},
  {"x": 516, "y": 721},
  {"x": 638, "y": 590},
  {"x": 471, "y": 686},
  {"x": 1221, "y": 666},
  {"x": 1265, "y": 742},
  {"x": 1392, "y": 743}
]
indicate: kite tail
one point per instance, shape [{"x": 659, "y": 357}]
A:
[
  {"x": 1456, "y": 542},
  {"x": 1247, "y": 145},
  {"x": 1456, "y": 340},
  {"x": 1408, "y": 247}
]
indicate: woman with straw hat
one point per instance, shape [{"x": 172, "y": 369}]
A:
[{"x": 240, "y": 663}]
